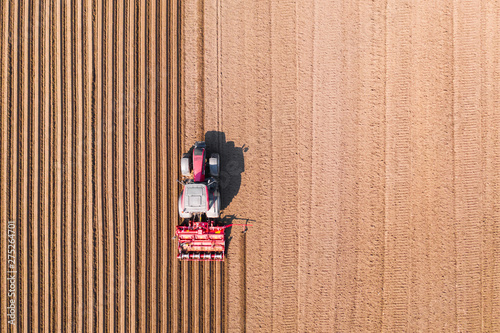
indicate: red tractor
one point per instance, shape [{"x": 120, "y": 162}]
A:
[{"x": 201, "y": 238}]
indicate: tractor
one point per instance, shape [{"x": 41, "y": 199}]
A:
[{"x": 200, "y": 237}]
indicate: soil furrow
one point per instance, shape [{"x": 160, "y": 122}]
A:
[
  {"x": 44, "y": 137},
  {"x": 201, "y": 298},
  {"x": 161, "y": 116},
  {"x": 87, "y": 167},
  {"x": 55, "y": 190},
  {"x": 65, "y": 189},
  {"x": 118, "y": 169},
  {"x": 32, "y": 188},
  {"x": 78, "y": 168},
  {"x": 23, "y": 172},
  {"x": 117, "y": 219},
  {"x": 79, "y": 186},
  {"x": 174, "y": 145},
  {"x": 136, "y": 144},
  {"x": 105, "y": 169},
  {"x": 128, "y": 156},
  {"x": 213, "y": 305},
  {"x": 96, "y": 303},
  {"x": 140, "y": 157},
  {"x": 183, "y": 298},
  {"x": 223, "y": 298},
  {"x": 148, "y": 186},
  {"x": 205, "y": 327},
  {"x": 108, "y": 133},
  {"x": 168, "y": 61},
  {"x": 155, "y": 178},
  {"x": 195, "y": 292},
  {"x": 190, "y": 309},
  {"x": 19, "y": 178},
  {"x": 37, "y": 165}
]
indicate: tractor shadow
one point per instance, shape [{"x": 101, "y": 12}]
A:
[{"x": 232, "y": 164}]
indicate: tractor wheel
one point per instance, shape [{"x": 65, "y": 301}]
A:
[
  {"x": 214, "y": 211},
  {"x": 214, "y": 163},
  {"x": 185, "y": 169}
]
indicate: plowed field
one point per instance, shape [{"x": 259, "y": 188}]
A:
[{"x": 361, "y": 139}]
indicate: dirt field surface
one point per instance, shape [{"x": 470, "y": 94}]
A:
[{"x": 361, "y": 139}]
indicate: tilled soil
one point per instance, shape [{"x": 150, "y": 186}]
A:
[
  {"x": 371, "y": 172},
  {"x": 360, "y": 139}
]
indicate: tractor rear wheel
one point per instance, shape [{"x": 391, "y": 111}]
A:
[
  {"x": 185, "y": 169},
  {"x": 214, "y": 163}
]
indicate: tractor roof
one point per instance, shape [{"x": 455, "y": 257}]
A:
[{"x": 195, "y": 198}]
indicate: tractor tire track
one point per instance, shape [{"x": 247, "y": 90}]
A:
[
  {"x": 398, "y": 169},
  {"x": 490, "y": 138},
  {"x": 283, "y": 149},
  {"x": 468, "y": 172},
  {"x": 371, "y": 168}
]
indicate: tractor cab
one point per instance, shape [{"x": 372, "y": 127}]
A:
[{"x": 195, "y": 198}]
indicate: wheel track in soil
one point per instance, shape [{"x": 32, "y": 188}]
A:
[
  {"x": 490, "y": 269},
  {"x": 399, "y": 169},
  {"x": 468, "y": 171}
]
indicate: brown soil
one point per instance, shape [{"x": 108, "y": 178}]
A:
[{"x": 361, "y": 140}]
